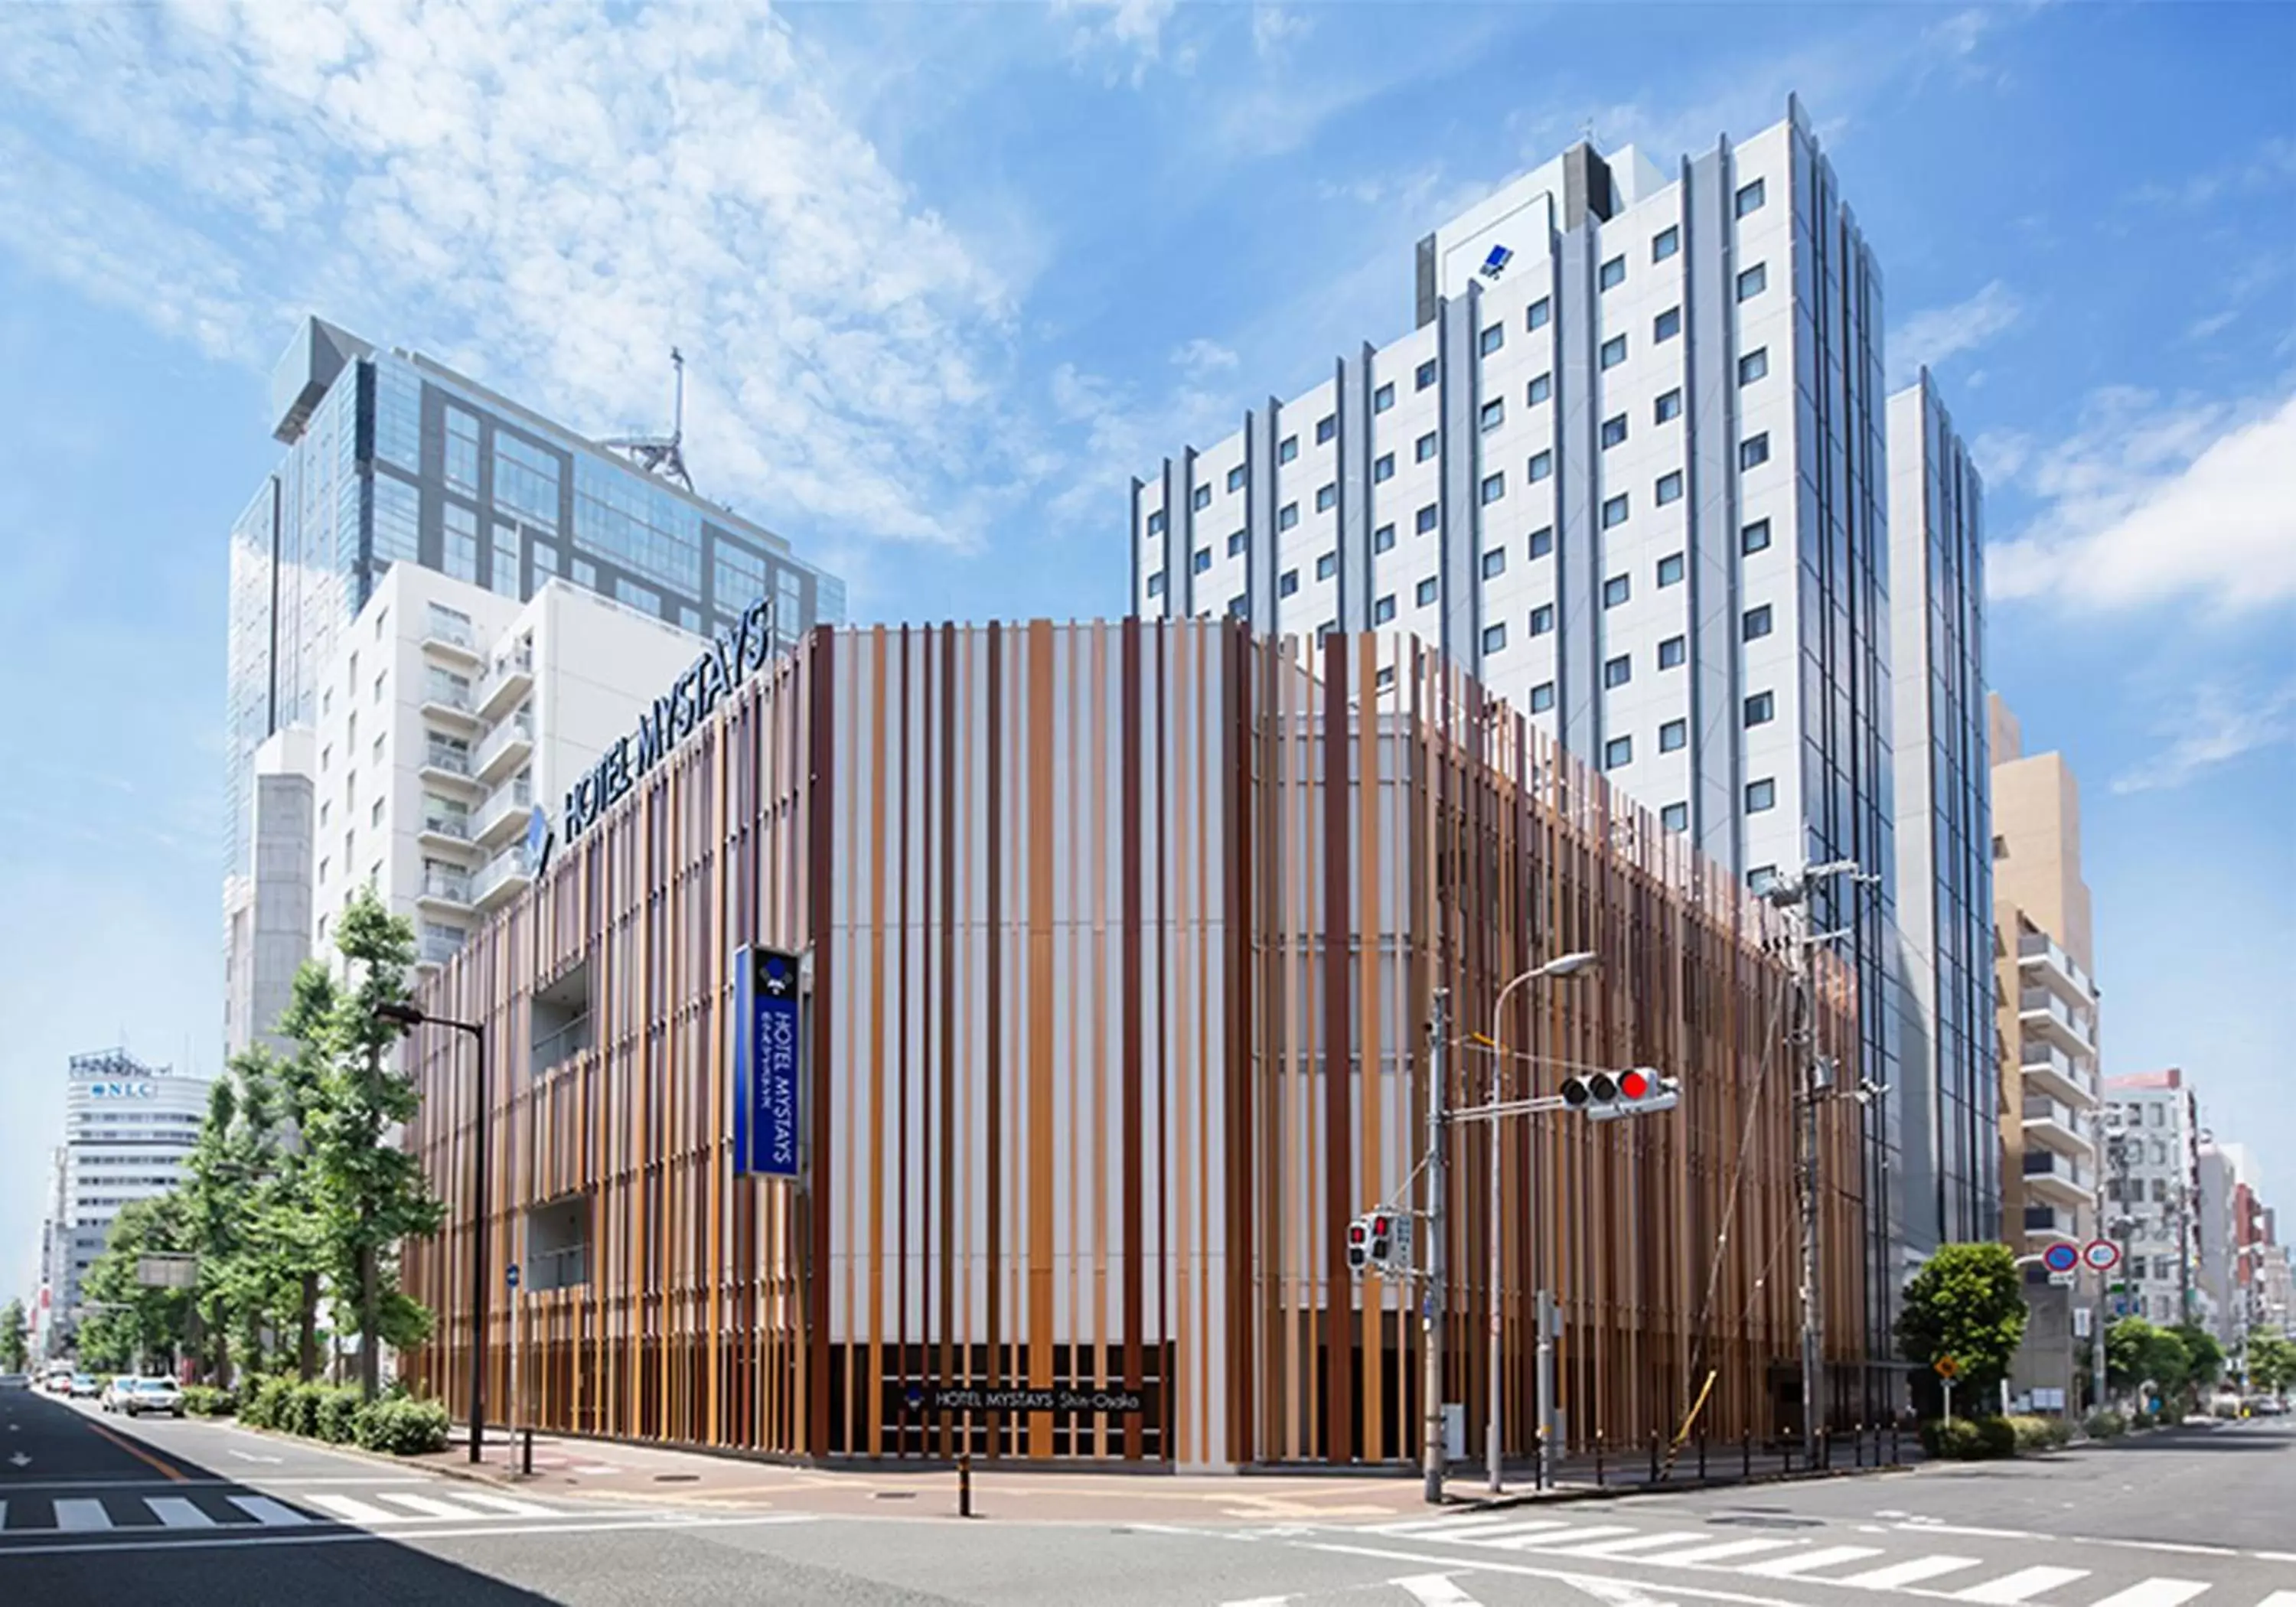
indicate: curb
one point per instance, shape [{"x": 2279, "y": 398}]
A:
[{"x": 1621, "y": 1492}]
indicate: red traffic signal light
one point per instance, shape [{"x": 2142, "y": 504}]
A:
[{"x": 1634, "y": 1084}]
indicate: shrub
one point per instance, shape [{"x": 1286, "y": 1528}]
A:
[
  {"x": 299, "y": 1413},
  {"x": 205, "y": 1400},
  {"x": 2145, "y": 1419},
  {"x": 1968, "y": 1439},
  {"x": 337, "y": 1410},
  {"x": 2106, "y": 1425},
  {"x": 264, "y": 1403},
  {"x": 401, "y": 1428},
  {"x": 2034, "y": 1435}
]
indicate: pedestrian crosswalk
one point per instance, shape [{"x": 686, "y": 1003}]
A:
[
  {"x": 210, "y": 1510},
  {"x": 1878, "y": 1560}
]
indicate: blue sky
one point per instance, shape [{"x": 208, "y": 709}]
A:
[{"x": 947, "y": 275}]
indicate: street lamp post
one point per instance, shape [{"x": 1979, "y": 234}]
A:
[
  {"x": 410, "y": 1016},
  {"x": 1563, "y": 965}
]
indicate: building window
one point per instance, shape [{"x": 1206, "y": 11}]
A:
[
  {"x": 325, "y": 807},
  {"x": 1494, "y": 638},
  {"x": 1675, "y": 818},
  {"x": 1383, "y": 610},
  {"x": 1426, "y": 519},
  {"x": 1493, "y": 413},
  {"x": 1382, "y": 468},
  {"x": 1494, "y": 563},
  {"x": 1749, "y": 198},
  {"x": 1614, "y": 430},
  {"x": 1326, "y": 498},
  {"x": 1542, "y": 619},
  {"x": 1755, "y": 537},
  {"x": 1613, "y": 272},
  {"x": 1287, "y": 448},
  {"x": 1542, "y": 541},
  {"x": 1753, "y": 365},
  {"x": 1614, "y": 511},
  {"x": 1202, "y": 497},
  {"x": 1382, "y": 538},
  {"x": 1672, "y": 736},
  {"x": 1614, "y": 351},
  {"x": 1424, "y": 447},
  {"x": 1327, "y": 564},
  {"x": 1761, "y": 709},
  {"x": 1616, "y": 590},
  {"x": 1156, "y": 522},
  {"x": 1493, "y": 338},
  {"x": 1493, "y": 488},
  {"x": 1542, "y": 464},
  {"x": 1539, "y": 312},
  {"x": 1203, "y": 559},
  {"x": 1235, "y": 478},
  {"x": 1287, "y": 583},
  {"x": 1760, "y": 795},
  {"x": 1669, "y": 487},
  {"x": 1667, "y": 324},
  {"x": 1426, "y": 376},
  {"x": 1287, "y": 516},
  {"x": 1237, "y": 540},
  {"x": 1156, "y": 584},
  {"x": 1383, "y": 398},
  {"x": 1672, "y": 652},
  {"x": 1669, "y": 569},
  {"x": 1665, "y": 243},
  {"x": 374, "y": 815},
  {"x": 1326, "y": 428},
  {"x": 1753, "y": 281},
  {"x": 1756, "y": 624},
  {"x": 1754, "y": 451},
  {"x": 1618, "y": 752},
  {"x": 1669, "y": 406},
  {"x": 1540, "y": 389},
  {"x": 1426, "y": 593},
  {"x": 1238, "y": 607},
  {"x": 1619, "y": 671}
]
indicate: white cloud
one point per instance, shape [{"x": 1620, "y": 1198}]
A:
[
  {"x": 2270, "y": 166},
  {"x": 550, "y": 195},
  {"x": 2222, "y": 723},
  {"x": 1928, "y": 338},
  {"x": 1201, "y": 356},
  {"x": 1129, "y": 32},
  {"x": 2150, "y": 500},
  {"x": 1273, "y": 29}
]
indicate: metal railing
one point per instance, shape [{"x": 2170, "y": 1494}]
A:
[
  {"x": 518, "y": 728},
  {"x": 455, "y": 633},
  {"x": 511, "y": 862},
  {"x": 2031, "y": 1000},
  {"x": 2048, "y": 1163},
  {"x": 564, "y": 1043},
  {"x": 455, "y": 761},
  {"x": 513, "y": 795},
  {"x": 440, "y": 884},
  {"x": 437, "y": 947},
  {"x": 558, "y": 1269},
  {"x": 457, "y": 826},
  {"x": 2039, "y": 945},
  {"x": 446, "y": 694}
]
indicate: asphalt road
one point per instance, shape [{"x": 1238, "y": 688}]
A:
[{"x": 209, "y": 1515}]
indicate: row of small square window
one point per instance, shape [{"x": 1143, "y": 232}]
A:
[
  {"x": 1760, "y": 796},
  {"x": 1752, "y": 283},
  {"x": 1752, "y": 538},
  {"x": 1754, "y": 624},
  {"x": 1753, "y": 365},
  {"x": 1618, "y": 752}
]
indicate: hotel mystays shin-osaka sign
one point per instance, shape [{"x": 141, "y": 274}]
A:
[{"x": 766, "y": 1062}]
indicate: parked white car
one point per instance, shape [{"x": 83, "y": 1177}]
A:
[{"x": 137, "y": 1395}]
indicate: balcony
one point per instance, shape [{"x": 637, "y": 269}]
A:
[
  {"x": 2043, "y": 1012},
  {"x": 563, "y": 1044},
  {"x": 447, "y": 764},
  {"x": 436, "y": 948},
  {"x": 2060, "y": 1126},
  {"x": 443, "y": 830},
  {"x": 2049, "y": 1071},
  {"x": 451, "y": 640},
  {"x": 449, "y": 702},
  {"x": 502, "y": 814},
  {"x": 2040, "y": 959},
  {"x": 450, "y": 891},
  {"x": 2058, "y": 1179},
  {"x": 504, "y": 748},
  {"x": 510, "y": 679},
  {"x": 502, "y": 878}
]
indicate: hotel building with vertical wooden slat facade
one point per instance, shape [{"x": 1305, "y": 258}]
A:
[{"x": 1121, "y": 941}]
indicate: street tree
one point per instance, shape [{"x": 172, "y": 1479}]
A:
[
  {"x": 2271, "y": 1363},
  {"x": 1966, "y": 1302},
  {"x": 131, "y": 1324},
  {"x": 2137, "y": 1353},
  {"x": 2204, "y": 1356},
  {"x": 14, "y": 1347}
]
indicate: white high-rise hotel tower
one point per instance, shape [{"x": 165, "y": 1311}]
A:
[{"x": 1629, "y": 469}]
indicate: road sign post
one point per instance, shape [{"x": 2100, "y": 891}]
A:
[{"x": 1947, "y": 1369}]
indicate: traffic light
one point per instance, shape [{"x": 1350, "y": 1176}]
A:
[
  {"x": 1359, "y": 1246},
  {"x": 1607, "y": 1095},
  {"x": 1379, "y": 1240}
]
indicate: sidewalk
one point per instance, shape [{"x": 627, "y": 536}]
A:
[{"x": 623, "y": 1471}]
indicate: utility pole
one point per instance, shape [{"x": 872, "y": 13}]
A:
[{"x": 1432, "y": 1454}]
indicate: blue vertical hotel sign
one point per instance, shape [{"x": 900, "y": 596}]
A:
[{"x": 765, "y": 1062}]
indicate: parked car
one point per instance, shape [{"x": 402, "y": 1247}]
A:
[
  {"x": 85, "y": 1386},
  {"x": 138, "y": 1396},
  {"x": 2265, "y": 1405},
  {"x": 113, "y": 1388},
  {"x": 12, "y": 1381}
]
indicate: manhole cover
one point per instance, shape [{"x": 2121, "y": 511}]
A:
[{"x": 676, "y": 1478}]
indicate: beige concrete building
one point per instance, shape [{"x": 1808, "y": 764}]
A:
[{"x": 2047, "y": 1000}]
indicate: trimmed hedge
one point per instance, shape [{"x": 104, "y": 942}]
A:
[
  {"x": 205, "y": 1400},
  {"x": 2106, "y": 1425},
  {"x": 401, "y": 1428},
  {"x": 1968, "y": 1440},
  {"x": 393, "y": 1425},
  {"x": 2038, "y": 1434},
  {"x": 263, "y": 1404}
]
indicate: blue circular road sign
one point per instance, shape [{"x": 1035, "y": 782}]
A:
[{"x": 2061, "y": 1258}]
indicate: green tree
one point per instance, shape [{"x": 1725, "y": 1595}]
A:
[
  {"x": 2271, "y": 1363},
  {"x": 2204, "y": 1357},
  {"x": 368, "y": 1193},
  {"x": 1966, "y": 1303},
  {"x": 12, "y": 1345},
  {"x": 130, "y": 1326},
  {"x": 2136, "y": 1353}
]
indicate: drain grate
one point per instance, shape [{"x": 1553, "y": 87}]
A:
[{"x": 676, "y": 1478}]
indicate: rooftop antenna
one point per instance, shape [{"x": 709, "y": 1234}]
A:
[{"x": 658, "y": 453}]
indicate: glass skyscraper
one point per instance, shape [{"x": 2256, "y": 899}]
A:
[{"x": 392, "y": 458}]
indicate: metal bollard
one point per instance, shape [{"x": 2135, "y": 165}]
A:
[
  {"x": 1893, "y": 1442},
  {"x": 964, "y": 1484},
  {"x": 1653, "y": 1472},
  {"x": 1702, "y": 1457},
  {"x": 1598, "y": 1459},
  {"x": 1858, "y": 1445},
  {"x": 1746, "y": 1456},
  {"x": 525, "y": 1453}
]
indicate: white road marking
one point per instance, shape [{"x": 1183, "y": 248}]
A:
[
  {"x": 2022, "y": 1586},
  {"x": 1452, "y": 1528},
  {"x": 1717, "y": 1551},
  {"x": 350, "y": 1508},
  {"x": 1825, "y": 1556},
  {"x": 1897, "y": 1574},
  {"x": 2280, "y": 1598},
  {"x": 175, "y": 1512},
  {"x": 82, "y": 1516},
  {"x": 425, "y": 1506},
  {"x": 508, "y": 1505},
  {"x": 1634, "y": 1543},
  {"x": 1567, "y": 1537},
  {"x": 2154, "y": 1591},
  {"x": 1434, "y": 1590},
  {"x": 270, "y": 1514},
  {"x": 314, "y": 1536}
]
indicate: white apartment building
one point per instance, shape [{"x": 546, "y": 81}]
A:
[
  {"x": 1628, "y": 469},
  {"x": 2152, "y": 1191},
  {"x": 446, "y": 716},
  {"x": 128, "y": 1128}
]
